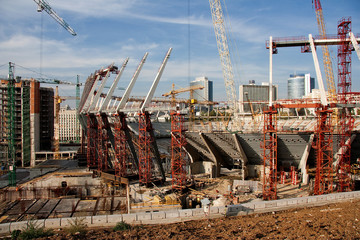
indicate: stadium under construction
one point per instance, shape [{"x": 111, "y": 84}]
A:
[{"x": 125, "y": 154}]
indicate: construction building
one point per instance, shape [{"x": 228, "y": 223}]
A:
[
  {"x": 254, "y": 97},
  {"x": 34, "y": 121},
  {"x": 69, "y": 125},
  {"x": 300, "y": 85}
]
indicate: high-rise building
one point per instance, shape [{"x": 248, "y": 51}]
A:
[
  {"x": 34, "y": 121},
  {"x": 300, "y": 85},
  {"x": 205, "y": 94},
  {"x": 69, "y": 125},
  {"x": 255, "y": 96}
]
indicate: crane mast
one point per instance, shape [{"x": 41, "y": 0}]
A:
[
  {"x": 44, "y": 5},
  {"x": 223, "y": 48},
  {"x": 329, "y": 73}
]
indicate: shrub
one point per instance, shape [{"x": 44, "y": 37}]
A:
[
  {"x": 32, "y": 231},
  {"x": 77, "y": 227},
  {"x": 121, "y": 226}
]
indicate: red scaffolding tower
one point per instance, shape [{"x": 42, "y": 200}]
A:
[
  {"x": 91, "y": 141},
  {"x": 323, "y": 146},
  {"x": 270, "y": 154},
  {"x": 120, "y": 145},
  {"x": 178, "y": 154},
  {"x": 145, "y": 141},
  {"x": 346, "y": 120},
  {"x": 103, "y": 143}
]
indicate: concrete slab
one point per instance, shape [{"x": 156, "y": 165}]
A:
[
  {"x": 98, "y": 220},
  {"x": 66, "y": 222},
  {"x": 66, "y": 205},
  {"x": 271, "y": 204},
  {"x": 129, "y": 218},
  {"x": 17, "y": 226},
  {"x": 37, "y": 206},
  {"x": 330, "y": 197},
  {"x": 115, "y": 218},
  {"x": 259, "y": 205},
  {"x": 292, "y": 201},
  {"x": 21, "y": 207},
  {"x": 158, "y": 215},
  {"x": 172, "y": 214},
  {"x": 185, "y": 213},
  {"x": 312, "y": 199},
  {"x": 53, "y": 223},
  {"x": 143, "y": 216},
  {"x": 302, "y": 201},
  {"x": 5, "y": 228},
  {"x": 86, "y": 206},
  {"x": 198, "y": 211},
  {"x": 248, "y": 205},
  {"x": 281, "y": 203},
  {"x": 87, "y": 220}
]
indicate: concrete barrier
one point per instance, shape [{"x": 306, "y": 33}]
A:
[
  {"x": 143, "y": 216},
  {"x": 180, "y": 215},
  {"x": 198, "y": 211},
  {"x": 129, "y": 218},
  {"x": 158, "y": 215},
  {"x": 114, "y": 218},
  {"x": 52, "y": 223},
  {"x": 172, "y": 214},
  {"x": 186, "y": 213}
]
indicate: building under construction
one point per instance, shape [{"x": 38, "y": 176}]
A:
[{"x": 34, "y": 121}]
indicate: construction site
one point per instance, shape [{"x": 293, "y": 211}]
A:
[{"x": 123, "y": 155}]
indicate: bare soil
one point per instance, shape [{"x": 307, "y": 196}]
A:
[{"x": 333, "y": 221}]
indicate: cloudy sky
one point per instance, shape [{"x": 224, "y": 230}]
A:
[{"x": 111, "y": 30}]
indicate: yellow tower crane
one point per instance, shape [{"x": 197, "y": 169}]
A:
[
  {"x": 329, "y": 74},
  {"x": 192, "y": 101},
  {"x": 227, "y": 69}
]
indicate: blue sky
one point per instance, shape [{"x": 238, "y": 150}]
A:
[{"x": 109, "y": 31}]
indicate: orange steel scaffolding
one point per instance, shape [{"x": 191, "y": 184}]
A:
[
  {"x": 91, "y": 141},
  {"x": 120, "y": 145},
  {"x": 103, "y": 143},
  {"x": 323, "y": 145},
  {"x": 145, "y": 141},
  {"x": 178, "y": 155},
  {"x": 270, "y": 154},
  {"x": 346, "y": 120}
]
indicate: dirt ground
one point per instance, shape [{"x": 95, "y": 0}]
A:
[{"x": 333, "y": 221}]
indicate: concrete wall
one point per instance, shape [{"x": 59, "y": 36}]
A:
[{"x": 190, "y": 214}]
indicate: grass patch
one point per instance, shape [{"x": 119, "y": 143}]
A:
[
  {"x": 32, "y": 231},
  {"x": 122, "y": 226}
]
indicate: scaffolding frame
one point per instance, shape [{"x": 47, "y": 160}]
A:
[
  {"x": 102, "y": 143},
  {"x": 145, "y": 143},
  {"x": 120, "y": 145},
  {"x": 178, "y": 154},
  {"x": 269, "y": 146},
  {"x": 346, "y": 119},
  {"x": 91, "y": 141},
  {"x": 323, "y": 146}
]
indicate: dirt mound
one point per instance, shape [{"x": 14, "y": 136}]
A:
[{"x": 333, "y": 221}]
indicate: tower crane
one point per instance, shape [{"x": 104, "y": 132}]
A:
[
  {"x": 192, "y": 101},
  {"x": 191, "y": 89},
  {"x": 223, "y": 48},
  {"x": 329, "y": 74},
  {"x": 44, "y": 5}
]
